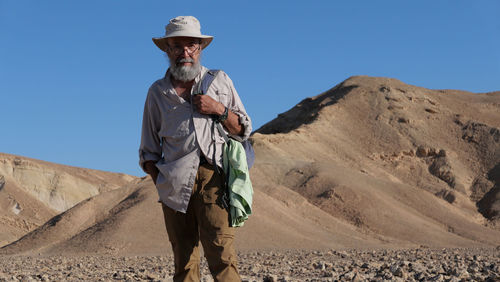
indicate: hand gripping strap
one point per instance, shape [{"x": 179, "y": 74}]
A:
[{"x": 202, "y": 88}]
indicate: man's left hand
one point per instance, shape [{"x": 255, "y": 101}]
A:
[{"x": 207, "y": 105}]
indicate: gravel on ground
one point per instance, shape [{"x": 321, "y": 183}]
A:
[{"x": 420, "y": 264}]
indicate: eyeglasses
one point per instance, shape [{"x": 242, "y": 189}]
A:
[{"x": 191, "y": 48}]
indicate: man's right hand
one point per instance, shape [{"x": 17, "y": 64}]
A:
[{"x": 152, "y": 170}]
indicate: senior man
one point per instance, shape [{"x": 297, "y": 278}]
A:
[{"x": 181, "y": 151}]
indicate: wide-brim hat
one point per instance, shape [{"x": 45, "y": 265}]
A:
[{"x": 182, "y": 26}]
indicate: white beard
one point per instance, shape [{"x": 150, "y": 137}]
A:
[{"x": 185, "y": 73}]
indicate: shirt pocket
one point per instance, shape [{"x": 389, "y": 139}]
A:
[
  {"x": 175, "y": 123},
  {"x": 222, "y": 97}
]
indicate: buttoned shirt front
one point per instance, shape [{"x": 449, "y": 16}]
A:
[{"x": 175, "y": 135}]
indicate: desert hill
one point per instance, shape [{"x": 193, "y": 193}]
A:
[
  {"x": 371, "y": 163},
  {"x": 129, "y": 221},
  {"x": 33, "y": 191},
  {"x": 392, "y": 158}
]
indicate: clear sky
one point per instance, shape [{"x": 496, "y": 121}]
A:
[{"x": 74, "y": 74}]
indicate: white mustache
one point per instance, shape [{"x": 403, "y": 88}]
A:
[{"x": 185, "y": 60}]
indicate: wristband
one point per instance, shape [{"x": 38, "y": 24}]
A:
[{"x": 223, "y": 117}]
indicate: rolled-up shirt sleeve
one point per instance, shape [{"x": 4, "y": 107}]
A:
[
  {"x": 236, "y": 106},
  {"x": 150, "y": 148}
]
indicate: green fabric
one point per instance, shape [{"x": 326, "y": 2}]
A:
[{"x": 240, "y": 186}]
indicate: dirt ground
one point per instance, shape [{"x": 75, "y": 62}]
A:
[{"x": 419, "y": 264}]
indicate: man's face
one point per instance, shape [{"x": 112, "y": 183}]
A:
[
  {"x": 184, "y": 51},
  {"x": 184, "y": 55}
]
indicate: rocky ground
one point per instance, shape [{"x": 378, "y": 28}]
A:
[{"x": 421, "y": 264}]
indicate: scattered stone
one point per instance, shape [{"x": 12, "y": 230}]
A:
[
  {"x": 2, "y": 181},
  {"x": 447, "y": 195},
  {"x": 17, "y": 161},
  {"x": 349, "y": 275},
  {"x": 319, "y": 265},
  {"x": 441, "y": 168},
  {"x": 328, "y": 274},
  {"x": 403, "y": 120},
  {"x": 270, "y": 278},
  {"x": 438, "y": 277},
  {"x": 422, "y": 151},
  {"x": 396, "y": 271},
  {"x": 385, "y": 89},
  {"x": 421, "y": 264}
]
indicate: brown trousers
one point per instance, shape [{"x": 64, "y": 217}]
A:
[{"x": 207, "y": 221}]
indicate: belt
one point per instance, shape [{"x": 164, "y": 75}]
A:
[{"x": 203, "y": 160}]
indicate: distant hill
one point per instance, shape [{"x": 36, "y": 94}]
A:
[
  {"x": 372, "y": 162},
  {"x": 33, "y": 191}
]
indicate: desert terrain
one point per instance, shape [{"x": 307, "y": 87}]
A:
[
  {"x": 373, "y": 179},
  {"x": 418, "y": 264}
]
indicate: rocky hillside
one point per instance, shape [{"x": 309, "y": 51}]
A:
[
  {"x": 391, "y": 158},
  {"x": 33, "y": 191}
]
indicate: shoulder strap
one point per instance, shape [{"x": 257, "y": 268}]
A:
[
  {"x": 206, "y": 81},
  {"x": 221, "y": 131},
  {"x": 202, "y": 89}
]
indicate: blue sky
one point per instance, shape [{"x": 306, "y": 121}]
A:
[{"x": 74, "y": 74}]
